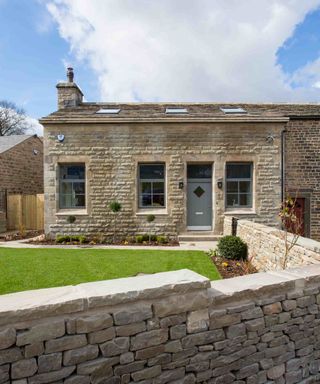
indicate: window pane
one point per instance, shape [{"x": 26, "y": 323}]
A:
[
  {"x": 79, "y": 187},
  {"x": 66, "y": 187},
  {"x": 232, "y": 200},
  {"x": 145, "y": 187},
  {"x": 158, "y": 187},
  {"x": 199, "y": 171},
  {"x": 151, "y": 171},
  {"x": 75, "y": 172},
  {"x": 158, "y": 200},
  {"x": 245, "y": 186},
  {"x": 145, "y": 200},
  {"x": 239, "y": 171},
  {"x": 79, "y": 201},
  {"x": 245, "y": 200},
  {"x": 232, "y": 186},
  {"x": 65, "y": 201}
]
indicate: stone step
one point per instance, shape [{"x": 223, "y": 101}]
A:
[{"x": 199, "y": 236}]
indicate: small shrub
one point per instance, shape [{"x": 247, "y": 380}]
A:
[
  {"x": 71, "y": 238},
  {"x": 232, "y": 247},
  {"x": 162, "y": 240},
  {"x": 139, "y": 239},
  {"x": 150, "y": 218},
  {"x": 62, "y": 238},
  {"x": 145, "y": 237}
]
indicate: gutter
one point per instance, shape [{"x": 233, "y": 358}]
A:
[
  {"x": 283, "y": 175},
  {"x": 83, "y": 120}
]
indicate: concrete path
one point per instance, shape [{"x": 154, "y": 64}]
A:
[{"x": 184, "y": 246}]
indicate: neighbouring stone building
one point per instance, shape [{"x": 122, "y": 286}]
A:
[
  {"x": 188, "y": 164},
  {"x": 21, "y": 169},
  {"x": 21, "y": 164}
]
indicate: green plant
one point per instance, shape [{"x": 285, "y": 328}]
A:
[
  {"x": 71, "y": 219},
  {"x": 70, "y": 238},
  {"x": 212, "y": 253},
  {"x": 162, "y": 239},
  {"x": 232, "y": 247},
  {"x": 139, "y": 239},
  {"x": 145, "y": 237},
  {"x": 115, "y": 207},
  {"x": 150, "y": 219}
]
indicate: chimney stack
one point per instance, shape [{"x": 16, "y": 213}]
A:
[
  {"x": 69, "y": 94},
  {"x": 70, "y": 74}
]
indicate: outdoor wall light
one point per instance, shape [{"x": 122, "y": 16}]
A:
[
  {"x": 270, "y": 139},
  {"x": 219, "y": 183},
  {"x": 181, "y": 184},
  {"x": 60, "y": 138}
]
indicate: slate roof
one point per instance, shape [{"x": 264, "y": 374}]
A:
[
  {"x": 87, "y": 111},
  {"x": 8, "y": 142}
]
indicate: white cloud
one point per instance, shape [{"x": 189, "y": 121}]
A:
[
  {"x": 188, "y": 50},
  {"x": 34, "y": 126}
]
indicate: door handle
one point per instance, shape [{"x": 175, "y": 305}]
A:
[{"x": 199, "y": 213}]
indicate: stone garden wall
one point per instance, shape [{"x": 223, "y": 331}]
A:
[
  {"x": 173, "y": 327},
  {"x": 266, "y": 245}
]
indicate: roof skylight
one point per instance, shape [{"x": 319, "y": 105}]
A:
[
  {"x": 108, "y": 111},
  {"x": 233, "y": 110},
  {"x": 176, "y": 110}
]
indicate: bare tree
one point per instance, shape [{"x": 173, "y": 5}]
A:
[
  {"x": 291, "y": 225},
  {"x": 13, "y": 120}
]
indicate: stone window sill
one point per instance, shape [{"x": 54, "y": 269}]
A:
[
  {"x": 72, "y": 212},
  {"x": 156, "y": 212},
  {"x": 232, "y": 212}
]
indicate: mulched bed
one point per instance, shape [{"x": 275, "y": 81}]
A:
[
  {"x": 233, "y": 268},
  {"x": 44, "y": 241},
  {"x": 12, "y": 236}
]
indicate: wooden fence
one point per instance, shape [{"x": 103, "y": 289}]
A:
[{"x": 25, "y": 212}]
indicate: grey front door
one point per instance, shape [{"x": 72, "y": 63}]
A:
[{"x": 199, "y": 197}]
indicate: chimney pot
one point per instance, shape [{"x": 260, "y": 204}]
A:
[{"x": 70, "y": 74}]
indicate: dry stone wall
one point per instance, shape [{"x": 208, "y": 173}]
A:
[
  {"x": 173, "y": 327},
  {"x": 266, "y": 246}
]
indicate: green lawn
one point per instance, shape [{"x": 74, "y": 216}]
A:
[{"x": 23, "y": 269}]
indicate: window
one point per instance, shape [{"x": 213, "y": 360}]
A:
[
  {"x": 151, "y": 186},
  {"x": 176, "y": 110},
  {"x": 239, "y": 185},
  {"x": 109, "y": 111},
  {"x": 233, "y": 110},
  {"x": 72, "y": 193}
]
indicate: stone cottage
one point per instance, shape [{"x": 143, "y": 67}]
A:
[
  {"x": 187, "y": 164},
  {"x": 21, "y": 164}
]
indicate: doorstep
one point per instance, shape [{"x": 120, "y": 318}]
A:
[{"x": 198, "y": 236}]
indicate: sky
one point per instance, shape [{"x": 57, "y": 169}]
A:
[{"x": 160, "y": 50}]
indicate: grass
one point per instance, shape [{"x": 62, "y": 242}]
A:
[{"x": 24, "y": 269}]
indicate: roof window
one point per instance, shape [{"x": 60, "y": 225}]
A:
[
  {"x": 174, "y": 111},
  {"x": 108, "y": 111},
  {"x": 230, "y": 111}
]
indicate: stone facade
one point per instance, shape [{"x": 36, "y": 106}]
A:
[
  {"x": 302, "y": 168},
  {"x": 112, "y": 145},
  {"x": 112, "y": 152},
  {"x": 266, "y": 246},
  {"x": 172, "y": 327},
  {"x": 21, "y": 170}
]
